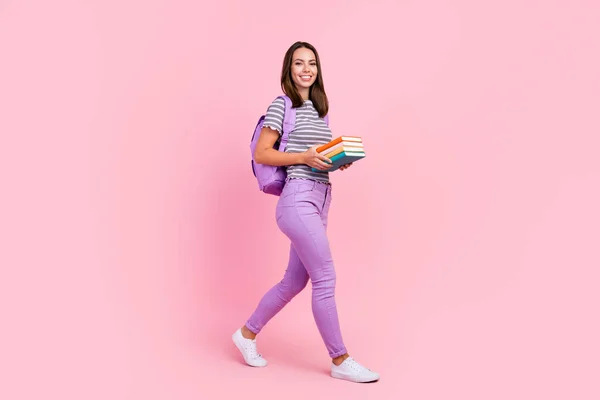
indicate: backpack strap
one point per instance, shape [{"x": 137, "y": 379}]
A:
[
  {"x": 289, "y": 121},
  {"x": 326, "y": 119}
]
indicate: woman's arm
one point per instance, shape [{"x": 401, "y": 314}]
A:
[{"x": 266, "y": 154}]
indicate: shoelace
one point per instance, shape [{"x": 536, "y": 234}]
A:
[
  {"x": 252, "y": 353},
  {"x": 354, "y": 365}
]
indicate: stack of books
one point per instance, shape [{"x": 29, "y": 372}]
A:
[{"x": 341, "y": 151}]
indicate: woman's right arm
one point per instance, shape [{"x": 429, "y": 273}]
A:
[{"x": 266, "y": 154}]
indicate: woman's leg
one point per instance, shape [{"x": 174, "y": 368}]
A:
[
  {"x": 273, "y": 301},
  {"x": 300, "y": 218},
  {"x": 294, "y": 280}
]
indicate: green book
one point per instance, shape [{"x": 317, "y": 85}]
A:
[{"x": 343, "y": 158}]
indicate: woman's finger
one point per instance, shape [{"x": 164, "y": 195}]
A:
[
  {"x": 323, "y": 158},
  {"x": 324, "y": 165}
]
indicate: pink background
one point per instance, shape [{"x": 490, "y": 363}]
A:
[{"x": 134, "y": 239}]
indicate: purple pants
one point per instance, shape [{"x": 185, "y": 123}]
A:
[{"x": 301, "y": 215}]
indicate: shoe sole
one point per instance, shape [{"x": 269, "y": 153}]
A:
[{"x": 351, "y": 379}]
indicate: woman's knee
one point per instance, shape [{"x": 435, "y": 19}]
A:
[
  {"x": 299, "y": 285},
  {"x": 289, "y": 290},
  {"x": 325, "y": 283}
]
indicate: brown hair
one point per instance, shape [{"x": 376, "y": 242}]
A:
[{"x": 317, "y": 90}]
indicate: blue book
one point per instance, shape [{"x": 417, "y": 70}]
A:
[{"x": 343, "y": 158}]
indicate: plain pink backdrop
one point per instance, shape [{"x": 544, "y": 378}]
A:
[{"x": 134, "y": 240}]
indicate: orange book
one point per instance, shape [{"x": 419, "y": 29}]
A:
[{"x": 337, "y": 140}]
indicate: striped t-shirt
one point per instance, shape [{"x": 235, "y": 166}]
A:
[{"x": 309, "y": 130}]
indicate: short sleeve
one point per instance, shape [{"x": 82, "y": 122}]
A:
[{"x": 274, "y": 115}]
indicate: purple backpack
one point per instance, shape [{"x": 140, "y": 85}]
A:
[{"x": 271, "y": 179}]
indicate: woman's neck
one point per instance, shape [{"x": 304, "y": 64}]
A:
[{"x": 304, "y": 93}]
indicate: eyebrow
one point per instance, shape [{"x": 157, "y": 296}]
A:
[{"x": 297, "y": 59}]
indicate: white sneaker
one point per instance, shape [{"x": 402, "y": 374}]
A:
[
  {"x": 350, "y": 370},
  {"x": 248, "y": 349}
]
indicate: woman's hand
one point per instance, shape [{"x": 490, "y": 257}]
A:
[
  {"x": 316, "y": 160},
  {"x": 343, "y": 167}
]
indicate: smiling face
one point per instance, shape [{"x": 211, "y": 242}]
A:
[{"x": 304, "y": 69}]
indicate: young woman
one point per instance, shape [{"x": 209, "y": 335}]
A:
[{"x": 301, "y": 213}]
